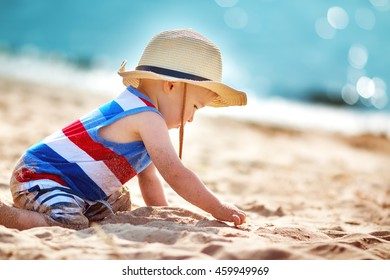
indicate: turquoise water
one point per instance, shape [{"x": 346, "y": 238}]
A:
[{"x": 316, "y": 52}]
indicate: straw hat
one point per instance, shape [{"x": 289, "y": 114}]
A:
[{"x": 185, "y": 56}]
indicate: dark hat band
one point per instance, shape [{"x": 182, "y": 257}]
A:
[{"x": 171, "y": 73}]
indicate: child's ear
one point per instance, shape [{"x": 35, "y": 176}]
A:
[{"x": 168, "y": 86}]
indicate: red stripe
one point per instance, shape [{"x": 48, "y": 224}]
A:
[
  {"x": 118, "y": 164},
  {"x": 27, "y": 175},
  {"x": 147, "y": 102}
]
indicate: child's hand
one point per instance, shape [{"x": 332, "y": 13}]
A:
[{"x": 230, "y": 213}]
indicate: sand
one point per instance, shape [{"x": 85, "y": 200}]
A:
[{"x": 308, "y": 194}]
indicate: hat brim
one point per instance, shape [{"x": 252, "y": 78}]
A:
[{"x": 227, "y": 96}]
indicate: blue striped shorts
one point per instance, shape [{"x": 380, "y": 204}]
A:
[{"x": 64, "y": 208}]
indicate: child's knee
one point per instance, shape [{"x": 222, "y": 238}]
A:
[{"x": 120, "y": 200}]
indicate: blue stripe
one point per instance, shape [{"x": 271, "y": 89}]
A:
[
  {"x": 139, "y": 158},
  {"x": 34, "y": 189},
  {"x": 102, "y": 114},
  {"x": 51, "y": 162},
  {"x": 110, "y": 109}
]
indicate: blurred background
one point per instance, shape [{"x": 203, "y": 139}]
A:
[{"x": 302, "y": 63}]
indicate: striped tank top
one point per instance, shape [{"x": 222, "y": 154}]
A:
[{"x": 79, "y": 158}]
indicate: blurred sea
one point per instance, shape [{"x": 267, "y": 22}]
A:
[{"x": 307, "y": 64}]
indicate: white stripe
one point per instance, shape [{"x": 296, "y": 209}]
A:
[
  {"x": 60, "y": 212},
  {"x": 96, "y": 170},
  {"x": 56, "y": 135},
  {"x": 47, "y": 184},
  {"x": 95, "y": 114},
  {"x": 43, "y": 184},
  {"x": 129, "y": 101}
]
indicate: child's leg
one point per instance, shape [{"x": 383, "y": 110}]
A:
[
  {"x": 47, "y": 203},
  {"x": 21, "y": 219}
]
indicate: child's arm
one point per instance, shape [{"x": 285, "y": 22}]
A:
[
  {"x": 151, "y": 187},
  {"x": 154, "y": 134}
]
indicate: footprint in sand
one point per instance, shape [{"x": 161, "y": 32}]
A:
[
  {"x": 262, "y": 210},
  {"x": 144, "y": 215},
  {"x": 381, "y": 234}
]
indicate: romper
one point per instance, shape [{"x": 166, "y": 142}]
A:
[{"x": 74, "y": 176}]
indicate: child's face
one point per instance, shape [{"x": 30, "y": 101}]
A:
[{"x": 196, "y": 98}]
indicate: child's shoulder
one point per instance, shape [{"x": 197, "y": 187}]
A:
[{"x": 131, "y": 127}]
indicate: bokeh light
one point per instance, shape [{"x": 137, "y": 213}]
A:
[
  {"x": 380, "y": 98},
  {"x": 353, "y": 74},
  {"x": 381, "y": 5},
  {"x": 358, "y": 56},
  {"x": 365, "y": 87},
  {"x": 226, "y": 3},
  {"x": 349, "y": 94},
  {"x": 365, "y": 18},
  {"x": 236, "y": 18},
  {"x": 337, "y": 17},
  {"x": 324, "y": 29}
]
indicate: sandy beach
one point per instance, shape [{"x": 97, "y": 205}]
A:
[{"x": 308, "y": 194}]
